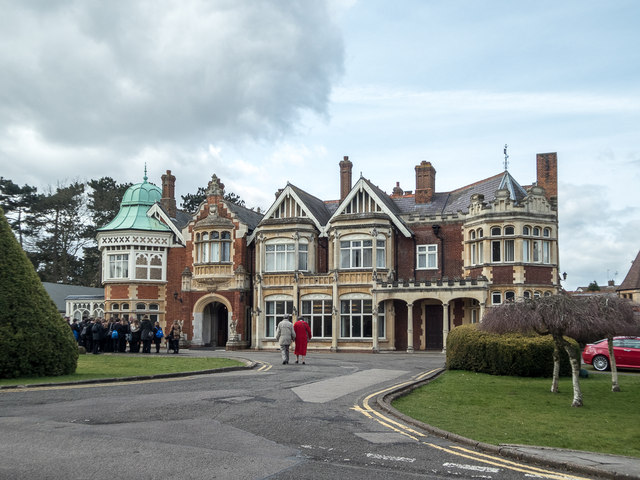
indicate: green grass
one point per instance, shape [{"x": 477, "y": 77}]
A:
[
  {"x": 516, "y": 410},
  {"x": 118, "y": 366}
]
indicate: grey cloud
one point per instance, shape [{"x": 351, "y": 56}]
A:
[{"x": 127, "y": 72}]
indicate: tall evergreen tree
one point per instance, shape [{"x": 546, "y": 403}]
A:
[
  {"x": 34, "y": 339},
  {"x": 17, "y": 203},
  {"x": 60, "y": 219}
]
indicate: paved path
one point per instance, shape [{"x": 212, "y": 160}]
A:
[{"x": 328, "y": 419}]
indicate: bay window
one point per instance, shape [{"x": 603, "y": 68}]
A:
[
  {"x": 359, "y": 253},
  {"x": 119, "y": 265},
  {"x": 213, "y": 247},
  {"x": 280, "y": 256}
]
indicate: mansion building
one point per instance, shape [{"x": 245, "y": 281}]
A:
[{"x": 369, "y": 271}]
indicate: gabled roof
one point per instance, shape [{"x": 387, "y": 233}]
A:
[
  {"x": 632, "y": 280},
  {"x": 157, "y": 211},
  {"x": 314, "y": 208},
  {"x": 383, "y": 201}
]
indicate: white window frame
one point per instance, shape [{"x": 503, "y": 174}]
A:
[
  {"x": 509, "y": 251},
  {"x": 496, "y": 298},
  {"x": 427, "y": 256},
  {"x": 356, "y": 311},
  {"x": 275, "y": 308},
  {"x": 118, "y": 265},
  {"x": 360, "y": 252},
  {"x": 321, "y": 320},
  {"x": 280, "y": 255},
  {"x": 213, "y": 246}
]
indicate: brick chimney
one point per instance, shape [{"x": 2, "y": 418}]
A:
[
  {"x": 168, "y": 200},
  {"x": 397, "y": 191},
  {"x": 345, "y": 177},
  {"x": 425, "y": 182},
  {"x": 547, "y": 174}
]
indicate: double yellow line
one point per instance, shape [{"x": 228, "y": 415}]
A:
[{"x": 458, "y": 451}]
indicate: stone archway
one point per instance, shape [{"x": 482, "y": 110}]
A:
[{"x": 211, "y": 316}]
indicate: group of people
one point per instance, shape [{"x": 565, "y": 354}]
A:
[
  {"x": 99, "y": 335},
  {"x": 287, "y": 333}
]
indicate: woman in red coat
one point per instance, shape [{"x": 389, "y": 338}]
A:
[{"x": 303, "y": 334}]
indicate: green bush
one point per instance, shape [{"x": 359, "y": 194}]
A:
[
  {"x": 35, "y": 341},
  {"x": 509, "y": 354}
]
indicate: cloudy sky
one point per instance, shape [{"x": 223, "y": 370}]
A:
[{"x": 265, "y": 92}]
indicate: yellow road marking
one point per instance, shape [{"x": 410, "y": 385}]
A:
[
  {"x": 403, "y": 429},
  {"x": 499, "y": 462},
  {"x": 508, "y": 461}
]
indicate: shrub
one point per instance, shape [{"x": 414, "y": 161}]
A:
[
  {"x": 508, "y": 354},
  {"x": 34, "y": 339}
]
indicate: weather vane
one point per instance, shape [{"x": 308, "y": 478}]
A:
[{"x": 506, "y": 157}]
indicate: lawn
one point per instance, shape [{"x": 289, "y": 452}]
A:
[
  {"x": 118, "y": 366},
  {"x": 516, "y": 410}
]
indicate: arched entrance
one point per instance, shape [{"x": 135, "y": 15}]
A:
[
  {"x": 211, "y": 315},
  {"x": 215, "y": 328}
]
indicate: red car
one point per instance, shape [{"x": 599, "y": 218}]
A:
[{"x": 625, "y": 349}]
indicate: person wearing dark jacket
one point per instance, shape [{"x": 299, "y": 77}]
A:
[
  {"x": 157, "y": 336},
  {"x": 96, "y": 336},
  {"x": 173, "y": 337},
  {"x": 146, "y": 329},
  {"x": 134, "y": 343},
  {"x": 122, "y": 328}
]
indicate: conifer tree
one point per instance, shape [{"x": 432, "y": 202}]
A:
[{"x": 34, "y": 339}]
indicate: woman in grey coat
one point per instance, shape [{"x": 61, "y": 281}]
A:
[{"x": 285, "y": 335}]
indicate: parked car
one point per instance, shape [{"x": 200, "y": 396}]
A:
[{"x": 625, "y": 349}]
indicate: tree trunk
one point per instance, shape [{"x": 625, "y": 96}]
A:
[
  {"x": 556, "y": 369},
  {"x": 575, "y": 375},
  {"x": 615, "y": 386}
]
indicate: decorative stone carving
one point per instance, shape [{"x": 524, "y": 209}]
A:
[{"x": 215, "y": 187}]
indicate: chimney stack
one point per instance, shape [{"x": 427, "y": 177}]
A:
[
  {"x": 425, "y": 182},
  {"x": 547, "y": 174},
  {"x": 168, "y": 200},
  {"x": 345, "y": 177}
]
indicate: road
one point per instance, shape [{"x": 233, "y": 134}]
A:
[{"x": 271, "y": 422}]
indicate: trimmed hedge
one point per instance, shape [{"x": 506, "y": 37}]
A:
[
  {"x": 35, "y": 341},
  {"x": 510, "y": 354}
]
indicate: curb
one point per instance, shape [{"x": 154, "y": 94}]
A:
[
  {"x": 384, "y": 403},
  {"x": 248, "y": 366}
]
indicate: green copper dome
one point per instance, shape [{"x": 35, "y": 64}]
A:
[{"x": 133, "y": 209}]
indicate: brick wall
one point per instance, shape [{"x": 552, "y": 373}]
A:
[
  {"x": 538, "y": 275},
  {"x": 148, "y": 292},
  {"x": 502, "y": 275},
  {"x": 119, "y": 292}
]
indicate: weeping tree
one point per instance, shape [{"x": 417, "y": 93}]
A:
[
  {"x": 610, "y": 316},
  {"x": 556, "y": 315}
]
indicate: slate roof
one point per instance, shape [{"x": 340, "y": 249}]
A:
[
  {"x": 632, "y": 280},
  {"x": 459, "y": 200},
  {"x": 59, "y": 292},
  {"x": 245, "y": 215},
  {"x": 317, "y": 207}
]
